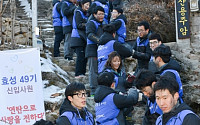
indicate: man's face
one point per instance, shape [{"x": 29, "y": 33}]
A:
[
  {"x": 99, "y": 16},
  {"x": 165, "y": 100},
  {"x": 142, "y": 32},
  {"x": 115, "y": 14},
  {"x": 147, "y": 90},
  {"x": 154, "y": 43},
  {"x": 78, "y": 100}
]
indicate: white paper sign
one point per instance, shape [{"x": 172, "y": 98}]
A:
[{"x": 21, "y": 87}]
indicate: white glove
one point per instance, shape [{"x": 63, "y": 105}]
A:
[{"x": 133, "y": 51}]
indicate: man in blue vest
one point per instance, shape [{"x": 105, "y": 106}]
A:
[
  {"x": 57, "y": 24},
  {"x": 141, "y": 49},
  {"x": 145, "y": 81},
  {"x": 174, "y": 113},
  {"x": 162, "y": 56},
  {"x": 109, "y": 104},
  {"x": 155, "y": 40},
  {"x": 67, "y": 11},
  {"x": 119, "y": 21},
  {"x": 73, "y": 111},
  {"x": 94, "y": 31},
  {"x": 105, "y": 5}
]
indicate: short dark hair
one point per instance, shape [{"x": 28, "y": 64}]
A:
[
  {"x": 106, "y": 78},
  {"x": 109, "y": 28},
  {"x": 74, "y": 87},
  {"x": 110, "y": 58},
  {"x": 119, "y": 10},
  {"x": 164, "y": 52},
  {"x": 167, "y": 82},
  {"x": 145, "y": 24},
  {"x": 144, "y": 78},
  {"x": 98, "y": 8},
  {"x": 82, "y": 2},
  {"x": 155, "y": 36}
]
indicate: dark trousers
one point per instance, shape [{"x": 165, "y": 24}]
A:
[
  {"x": 58, "y": 38},
  {"x": 68, "y": 51},
  {"x": 81, "y": 61}
]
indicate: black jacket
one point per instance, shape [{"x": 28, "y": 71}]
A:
[
  {"x": 93, "y": 34},
  {"x": 142, "y": 53},
  {"x": 68, "y": 11},
  {"x": 122, "y": 50},
  {"x": 66, "y": 106},
  {"x": 190, "y": 119},
  {"x": 81, "y": 27}
]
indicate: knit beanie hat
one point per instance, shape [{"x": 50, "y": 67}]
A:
[{"x": 106, "y": 78}]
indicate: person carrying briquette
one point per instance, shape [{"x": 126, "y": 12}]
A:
[
  {"x": 109, "y": 104},
  {"x": 145, "y": 81}
]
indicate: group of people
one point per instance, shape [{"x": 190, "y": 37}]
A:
[{"x": 97, "y": 34}]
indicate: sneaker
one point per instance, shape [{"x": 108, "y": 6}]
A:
[{"x": 68, "y": 58}]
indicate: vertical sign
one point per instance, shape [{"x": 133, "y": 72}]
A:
[
  {"x": 183, "y": 23},
  {"x": 21, "y": 87}
]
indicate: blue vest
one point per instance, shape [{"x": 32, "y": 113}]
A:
[
  {"x": 178, "y": 79},
  {"x": 56, "y": 16},
  {"x": 96, "y": 25},
  {"x": 103, "y": 51},
  {"x": 106, "y": 111},
  {"x": 64, "y": 19},
  {"x": 75, "y": 30},
  {"x": 176, "y": 120},
  {"x": 154, "y": 108},
  {"x": 144, "y": 43},
  {"x": 106, "y": 9},
  {"x": 121, "y": 32},
  {"x": 77, "y": 120}
]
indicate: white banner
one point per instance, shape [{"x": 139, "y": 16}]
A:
[{"x": 21, "y": 100}]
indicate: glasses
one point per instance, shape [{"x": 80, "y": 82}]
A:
[
  {"x": 101, "y": 14},
  {"x": 140, "y": 31},
  {"x": 153, "y": 42},
  {"x": 80, "y": 95}
]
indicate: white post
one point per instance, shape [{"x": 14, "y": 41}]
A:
[{"x": 34, "y": 22}]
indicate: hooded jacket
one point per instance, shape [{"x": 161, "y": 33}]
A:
[
  {"x": 189, "y": 119},
  {"x": 117, "y": 101},
  {"x": 66, "y": 107}
]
